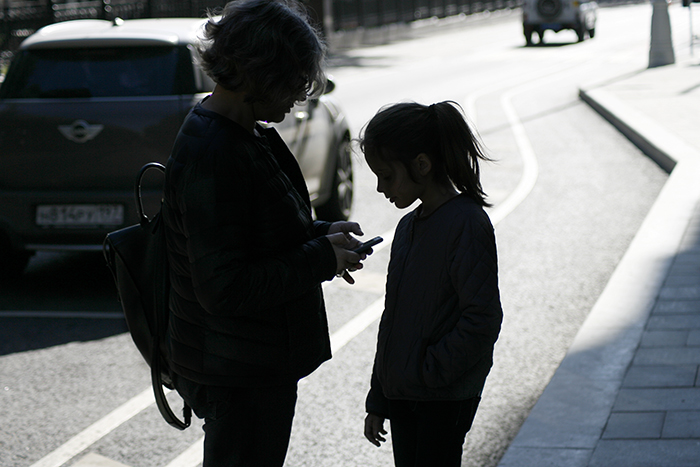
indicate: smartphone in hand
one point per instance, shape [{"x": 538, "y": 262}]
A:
[{"x": 366, "y": 246}]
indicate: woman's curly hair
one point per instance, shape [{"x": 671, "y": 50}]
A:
[{"x": 267, "y": 48}]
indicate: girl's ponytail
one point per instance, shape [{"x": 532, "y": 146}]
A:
[{"x": 459, "y": 149}]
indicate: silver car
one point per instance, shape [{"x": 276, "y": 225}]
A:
[{"x": 86, "y": 103}]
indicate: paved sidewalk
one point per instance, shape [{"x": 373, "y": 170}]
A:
[{"x": 628, "y": 391}]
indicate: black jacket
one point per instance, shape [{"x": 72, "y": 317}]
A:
[
  {"x": 246, "y": 258},
  {"x": 442, "y": 312}
]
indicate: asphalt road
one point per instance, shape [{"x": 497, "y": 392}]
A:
[{"x": 569, "y": 195}]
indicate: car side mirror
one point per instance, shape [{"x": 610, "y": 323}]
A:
[{"x": 330, "y": 86}]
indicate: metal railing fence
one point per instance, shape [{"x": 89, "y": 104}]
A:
[
  {"x": 350, "y": 14},
  {"x": 20, "y": 18}
]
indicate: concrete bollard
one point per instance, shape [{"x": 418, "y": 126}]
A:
[{"x": 661, "y": 50}]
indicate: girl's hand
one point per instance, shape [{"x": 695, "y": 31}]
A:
[
  {"x": 374, "y": 429},
  {"x": 346, "y": 260}
]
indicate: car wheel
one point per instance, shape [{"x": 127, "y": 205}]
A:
[
  {"x": 338, "y": 206},
  {"x": 13, "y": 261}
]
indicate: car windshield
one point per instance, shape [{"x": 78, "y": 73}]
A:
[{"x": 93, "y": 72}]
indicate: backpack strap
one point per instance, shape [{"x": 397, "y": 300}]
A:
[
  {"x": 162, "y": 402},
  {"x": 160, "y": 301}
]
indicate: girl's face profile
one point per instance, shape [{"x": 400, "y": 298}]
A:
[{"x": 394, "y": 181}]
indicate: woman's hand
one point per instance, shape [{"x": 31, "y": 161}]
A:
[
  {"x": 346, "y": 228},
  {"x": 374, "y": 429},
  {"x": 346, "y": 259}
]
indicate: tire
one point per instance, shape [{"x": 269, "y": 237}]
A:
[
  {"x": 13, "y": 262},
  {"x": 581, "y": 33},
  {"x": 338, "y": 206}
]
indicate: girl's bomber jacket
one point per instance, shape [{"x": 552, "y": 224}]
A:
[
  {"x": 442, "y": 311},
  {"x": 246, "y": 258}
]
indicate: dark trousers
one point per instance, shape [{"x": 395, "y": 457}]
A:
[
  {"x": 430, "y": 433},
  {"x": 244, "y": 427}
]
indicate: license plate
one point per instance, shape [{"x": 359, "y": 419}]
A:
[{"x": 79, "y": 215}]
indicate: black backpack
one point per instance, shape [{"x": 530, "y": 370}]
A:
[{"x": 138, "y": 260}]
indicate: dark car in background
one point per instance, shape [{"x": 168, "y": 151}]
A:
[
  {"x": 558, "y": 15},
  {"x": 86, "y": 103}
]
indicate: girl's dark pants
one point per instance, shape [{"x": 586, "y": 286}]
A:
[
  {"x": 430, "y": 433},
  {"x": 243, "y": 426}
]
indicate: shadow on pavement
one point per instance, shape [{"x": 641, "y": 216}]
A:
[{"x": 61, "y": 298}]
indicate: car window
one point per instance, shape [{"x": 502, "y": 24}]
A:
[{"x": 99, "y": 72}]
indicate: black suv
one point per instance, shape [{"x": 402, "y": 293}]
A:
[{"x": 558, "y": 15}]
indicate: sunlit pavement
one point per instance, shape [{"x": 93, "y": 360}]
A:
[{"x": 627, "y": 393}]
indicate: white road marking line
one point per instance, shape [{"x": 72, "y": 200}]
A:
[
  {"x": 530, "y": 166},
  {"x": 95, "y": 460},
  {"x": 356, "y": 325},
  {"x": 97, "y": 430},
  {"x": 60, "y": 314},
  {"x": 530, "y": 77},
  {"x": 191, "y": 457}
]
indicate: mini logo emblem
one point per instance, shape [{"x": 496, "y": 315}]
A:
[{"x": 80, "y": 131}]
